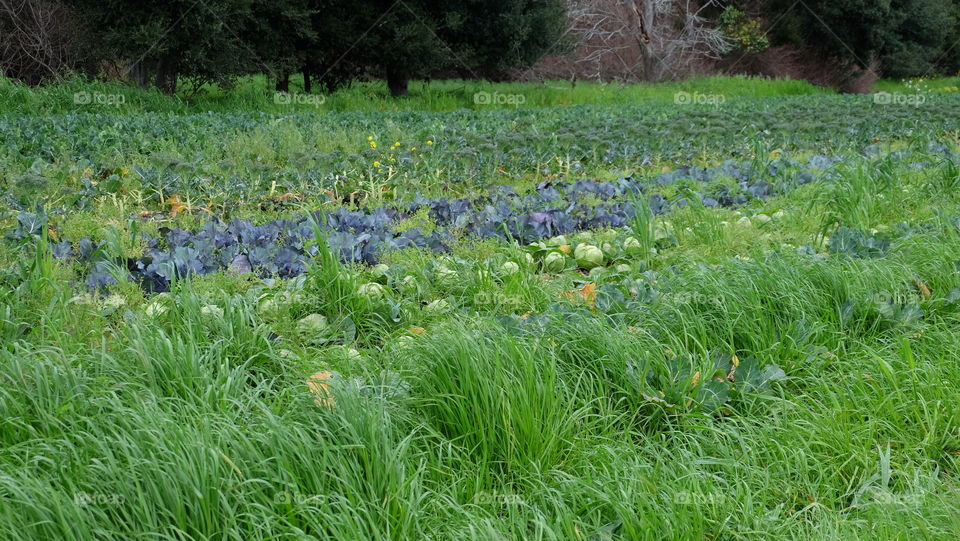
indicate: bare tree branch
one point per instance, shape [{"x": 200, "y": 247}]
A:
[
  {"x": 37, "y": 41},
  {"x": 646, "y": 40}
]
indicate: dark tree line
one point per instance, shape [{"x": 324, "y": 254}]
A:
[
  {"x": 329, "y": 41},
  {"x": 903, "y": 38},
  {"x": 172, "y": 44}
]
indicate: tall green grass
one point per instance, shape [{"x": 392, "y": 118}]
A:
[
  {"x": 568, "y": 424},
  {"x": 256, "y": 94},
  {"x": 518, "y": 412}
]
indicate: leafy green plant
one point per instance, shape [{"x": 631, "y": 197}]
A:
[{"x": 745, "y": 32}]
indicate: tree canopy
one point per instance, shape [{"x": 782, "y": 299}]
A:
[
  {"x": 904, "y": 37},
  {"x": 332, "y": 39}
]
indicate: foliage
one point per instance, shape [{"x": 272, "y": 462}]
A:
[
  {"x": 335, "y": 40},
  {"x": 417, "y": 38},
  {"x": 156, "y": 43},
  {"x": 745, "y": 32},
  {"x": 907, "y": 37},
  {"x": 724, "y": 365}
]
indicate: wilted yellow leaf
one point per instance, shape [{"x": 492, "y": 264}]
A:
[
  {"x": 318, "y": 386},
  {"x": 587, "y": 293},
  {"x": 175, "y": 205}
]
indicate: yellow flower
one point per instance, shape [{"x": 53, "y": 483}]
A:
[
  {"x": 412, "y": 149},
  {"x": 373, "y": 144},
  {"x": 429, "y": 142},
  {"x": 370, "y": 138},
  {"x": 376, "y": 164}
]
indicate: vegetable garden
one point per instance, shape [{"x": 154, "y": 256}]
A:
[{"x": 650, "y": 321}]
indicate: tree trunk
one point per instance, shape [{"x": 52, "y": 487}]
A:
[
  {"x": 167, "y": 72},
  {"x": 138, "y": 74},
  {"x": 644, "y": 15},
  {"x": 398, "y": 82},
  {"x": 307, "y": 80},
  {"x": 283, "y": 83},
  {"x": 653, "y": 66}
]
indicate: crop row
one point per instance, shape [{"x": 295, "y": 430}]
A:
[
  {"x": 284, "y": 247},
  {"x": 233, "y": 157}
]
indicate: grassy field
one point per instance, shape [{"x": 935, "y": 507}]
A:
[
  {"x": 255, "y": 94},
  {"x": 603, "y": 314}
]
